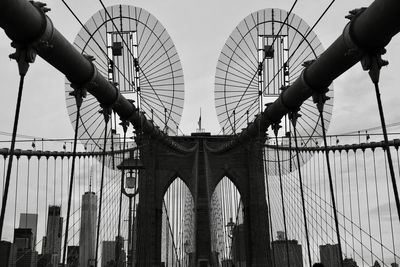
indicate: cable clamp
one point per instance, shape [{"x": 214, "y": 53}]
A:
[
  {"x": 80, "y": 90},
  {"x": 106, "y": 111},
  {"x": 353, "y": 48},
  {"x": 91, "y": 82},
  {"x": 47, "y": 31},
  {"x": 303, "y": 79},
  {"x": 125, "y": 124},
  {"x": 281, "y": 96},
  {"x": 275, "y": 127},
  {"x": 320, "y": 97},
  {"x": 24, "y": 55},
  {"x": 79, "y": 93},
  {"x": 293, "y": 116},
  {"x": 373, "y": 62}
]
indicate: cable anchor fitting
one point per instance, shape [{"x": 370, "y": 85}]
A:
[
  {"x": 79, "y": 93},
  {"x": 373, "y": 62},
  {"x": 319, "y": 98},
  {"x": 41, "y": 6},
  {"x": 275, "y": 127},
  {"x": 106, "y": 111},
  {"x": 24, "y": 55},
  {"x": 125, "y": 124},
  {"x": 353, "y": 48},
  {"x": 293, "y": 116},
  {"x": 308, "y": 63}
]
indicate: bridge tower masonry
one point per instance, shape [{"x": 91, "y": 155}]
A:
[{"x": 201, "y": 169}]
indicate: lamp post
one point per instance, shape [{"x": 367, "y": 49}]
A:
[
  {"x": 186, "y": 247},
  {"x": 131, "y": 168},
  {"x": 231, "y": 226}
]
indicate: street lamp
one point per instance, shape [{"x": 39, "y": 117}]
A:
[
  {"x": 186, "y": 246},
  {"x": 230, "y": 225},
  {"x": 130, "y": 173}
]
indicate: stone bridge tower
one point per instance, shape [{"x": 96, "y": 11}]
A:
[{"x": 201, "y": 169}]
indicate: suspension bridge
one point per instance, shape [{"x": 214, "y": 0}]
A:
[{"x": 272, "y": 188}]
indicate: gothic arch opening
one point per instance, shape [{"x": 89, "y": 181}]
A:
[
  {"x": 227, "y": 229},
  {"x": 177, "y": 228}
]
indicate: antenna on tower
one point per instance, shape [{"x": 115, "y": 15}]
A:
[{"x": 90, "y": 178}]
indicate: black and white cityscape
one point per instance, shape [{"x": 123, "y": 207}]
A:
[{"x": 172, "y": 133}]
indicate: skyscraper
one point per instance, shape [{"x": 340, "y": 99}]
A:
[
  {"x": 119, "y": 240},
  {"x": 329, "y": 255},
  {"x": 108, "y": 253},
  {"x": 73, "y": 256},
  {"x": 87, "y": 237},
  {"x": 52, "y": 241},
  {"x": 23, "y": 241},
  {"x": 29, "y": 220},
  {"x": 7, "y": 253},
  {"x": 280, "y": 254}
]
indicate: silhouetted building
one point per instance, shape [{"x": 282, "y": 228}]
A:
[
  {"x": 108, "y": 253},
  {"x": 329, "y": 255},
  {"x": 376, "y": 264},
  {"x": 29, "y": 220},
  {"x": 87, "y": 237},
  {"x": 73, "y": 256},
  {"x": 349, "y": 263},
  {"x": 52, "y": 240},
  {"x": 7, "y": 254},
  {"x": 280, "y": 254},
  {"x": 44, "y": 260},
  {"x": 120, "y": 247},
  {"x": 109, "y": 250},
  {"x": 23, "y": 242},
  {"x": 394, "y": 264}
]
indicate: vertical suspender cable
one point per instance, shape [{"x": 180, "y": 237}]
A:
[
  {"x": 320, "y": 105},
  {"x": 386, "y": 147},
  {"x": 106, "y": 113},
  {"x": 294, "y": 117},
  {"x": 269, "y": 205},
  {"x": 78, "y": 93},
  {"x": 373, "y": 62},
  {"x": 276, "y": 127},
  {"x": 118, "y": 247},
  {"x": 11, "y": 152}
]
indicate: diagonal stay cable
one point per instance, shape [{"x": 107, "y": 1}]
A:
[
  {"x": 130, "y": 52},
  {"x": 85, "y": 28},
  {"x": 265, "y": 55},
  {"x": 305, "y": 37}
]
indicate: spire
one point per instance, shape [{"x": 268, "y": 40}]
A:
[
  {"x": 90, "y": 178},
  {"x": 199, "y": 122}
]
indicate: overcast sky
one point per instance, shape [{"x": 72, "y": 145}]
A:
[{"x": 199, "y": 30}]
